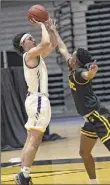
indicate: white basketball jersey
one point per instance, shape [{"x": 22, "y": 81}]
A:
[{"x": 36, "y": 78}]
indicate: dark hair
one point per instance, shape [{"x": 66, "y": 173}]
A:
[
  {"x": 84, "y": 56},
  {"x": 16, "y": 43}
]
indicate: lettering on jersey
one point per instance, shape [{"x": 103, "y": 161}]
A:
[{"x": 72, "y": 86}]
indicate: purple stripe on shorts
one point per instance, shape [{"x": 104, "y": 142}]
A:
[{"x": 39, "y": 104}]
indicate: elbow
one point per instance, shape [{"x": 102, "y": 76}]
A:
[
  {"x": 45, "y": 44},
  {"x": 85, "y": 76},
  {"x": 89, "y": 77}
]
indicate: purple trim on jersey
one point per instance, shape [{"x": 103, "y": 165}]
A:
[
  {"x": 39, "y": 104},
  {"x": 34, "y": 66},
  {"x": 38, "y": 75}
]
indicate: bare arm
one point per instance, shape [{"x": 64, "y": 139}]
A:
[
  {"x": 88, "y": 75},
  {"x": 32, "y": 57},
  {"x": 44, "y": 44},
  {"x": 62, "y": 47},
  {"x": 52, "y": 45}
]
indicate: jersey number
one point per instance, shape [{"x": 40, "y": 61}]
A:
[{"x": 72, "y": 86}]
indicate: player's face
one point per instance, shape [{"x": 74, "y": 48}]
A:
[{"x": 29, "y": 42}]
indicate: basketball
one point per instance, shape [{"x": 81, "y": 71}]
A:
[{"x": 38, "y": 12}]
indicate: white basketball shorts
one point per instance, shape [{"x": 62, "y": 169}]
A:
[{"x": 39, "y": 112}]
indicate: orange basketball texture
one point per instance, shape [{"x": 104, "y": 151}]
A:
[{"x": 38, "y": 12}]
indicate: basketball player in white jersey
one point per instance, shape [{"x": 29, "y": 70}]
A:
[{"x": 37, "y": 103}]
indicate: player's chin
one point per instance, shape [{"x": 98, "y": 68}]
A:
[{"x": 34, "y": 44}]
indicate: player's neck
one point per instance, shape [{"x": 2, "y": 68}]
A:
[{"x": 76, "y": 66}]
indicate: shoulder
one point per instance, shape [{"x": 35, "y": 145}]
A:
[
  {"x": 80, "y": 70},
  {"x": 24, "y": 54},
  {"x": 77, "y": 75},
  {"x": 30, "y": 62}
]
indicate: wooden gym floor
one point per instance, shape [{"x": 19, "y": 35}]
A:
[{"x": 58, "y": 162}]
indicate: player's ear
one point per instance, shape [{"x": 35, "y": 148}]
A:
[
  {"x": 21, "y": 49},
  {"x": 74, "y": 61},
  {"x": 22, "y": 45}
]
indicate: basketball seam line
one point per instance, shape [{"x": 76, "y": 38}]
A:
[{"x": 35, "y": 15}]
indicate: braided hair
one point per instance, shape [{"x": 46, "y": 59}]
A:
[
  {"x": 84, "y": 56},
  {"x": 16, "y": 43}
]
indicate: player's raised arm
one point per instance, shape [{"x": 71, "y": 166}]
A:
[
  {"x": 61, "y": 45},
  {"x": 53, "y": 42},
  {"x": 90, "y": 74},
  {"x": 45, "y": 41}
]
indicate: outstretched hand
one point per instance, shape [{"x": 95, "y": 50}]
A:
[
  {"x": 51, "y": 25},
  {"x": 93, "y": 67},
  {"x": 35, "y": 23}
]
